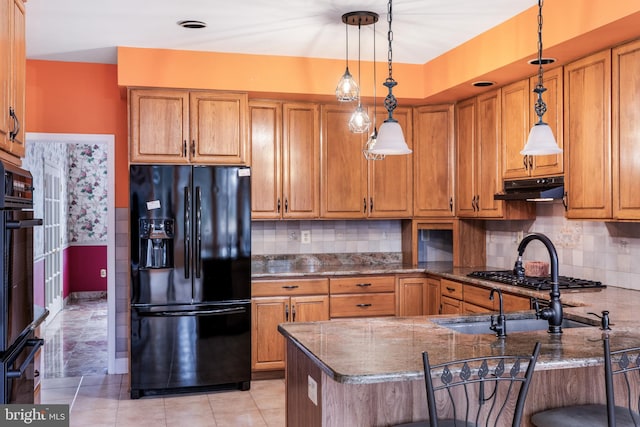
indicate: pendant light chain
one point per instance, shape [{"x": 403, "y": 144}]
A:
[
  {"x": 540, "y": 106},
  {"x": 390, "y": 102},
  {"x": 390, "y": 38}
]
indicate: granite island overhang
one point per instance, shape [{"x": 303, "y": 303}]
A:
[{"x": 369, "y": 371}]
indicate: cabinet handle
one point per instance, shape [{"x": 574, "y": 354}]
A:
[
  {"x": 286, "y": 312},
  {"x": 450, "y": 289},
  {"x": 370, "y": 204},
  {"x": 286, "y": 205},
  {"x": 477, "y": 203},
  {"x": 363, "y": 285},
  {"x": 16, "y": 124},
  {"x": 363, "y": 305},
  {"x": 565, "y": 201},
  {"x": 524, "y": 161},
  {"x": 193, "y": 148},
  {"x": 290, "y": 287},
  {"x": 293, "y": 313},
  {"x": 364, "y": 209},
  {"x": 184, "y": 148},
  {"x": 530, "y": 162},
  {"x": 278, "y": 204},
  {"x": 450, "y": 204}
]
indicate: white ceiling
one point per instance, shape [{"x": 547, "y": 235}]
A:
[{"x": 90, "y": 30}]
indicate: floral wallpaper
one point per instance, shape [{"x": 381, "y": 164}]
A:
[
  {"x": 87, "y": 193},
  {"x": 83, "y": 181}
]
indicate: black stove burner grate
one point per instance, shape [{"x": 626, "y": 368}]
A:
[{"x": 538, "y": 283}]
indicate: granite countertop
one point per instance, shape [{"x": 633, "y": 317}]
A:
[{"x": 372, "y": 350}]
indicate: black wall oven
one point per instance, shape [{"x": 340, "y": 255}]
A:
[{"x": 18, "y": 344}]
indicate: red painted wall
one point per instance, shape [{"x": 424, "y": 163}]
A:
[{"x": 83, "y": 269}]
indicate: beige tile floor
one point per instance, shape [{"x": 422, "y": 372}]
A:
[
  {"x": 96, "y": 400},
  {"x": 103, "y": 400}
]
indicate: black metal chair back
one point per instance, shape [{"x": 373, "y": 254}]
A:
[
  {"x": 623, "y": 367},
  {"x": 482, "y": 391}
]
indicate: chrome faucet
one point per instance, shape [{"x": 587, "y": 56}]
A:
[
  {"x": 552, "y": 313},
  {"x": 499, "y": 324}
]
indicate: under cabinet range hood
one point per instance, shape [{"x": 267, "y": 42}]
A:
[{"x": 532, "y": 189}]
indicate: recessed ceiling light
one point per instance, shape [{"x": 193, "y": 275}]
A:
[
  {"x": 544, "y": 61},
  {"x": 192, "y": 24},
  {"x": 483, "y": 83}
]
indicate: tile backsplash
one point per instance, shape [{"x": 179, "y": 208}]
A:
[
  {"x": 604, "y": 251},
  {"x": 286, "y": 237}
]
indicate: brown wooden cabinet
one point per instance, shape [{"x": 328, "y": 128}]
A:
[
  {"x": 362, "y": 296},
  {"x": 418, "y": 296},
  {"x": 285, "y": 160},
  {"x": 451, "y": 298},
  {"x": 518, "y": 116},
  {"x": 626, "y": 134},
  {"x": 433, "y": 165},
  {"x": 587, "y": 137},
  {"x": 478, "y": 161},
  {"x": 279, "y": 301},
  {"x": 12, "y": 78},
  {"x": 351, "y": 186},
  {"x": 180, "y": 126}
]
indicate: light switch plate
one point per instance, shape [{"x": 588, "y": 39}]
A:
[{"x": 305, "y": 236}]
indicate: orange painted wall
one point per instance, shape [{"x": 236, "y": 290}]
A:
[{"x": 72, "y": 97}]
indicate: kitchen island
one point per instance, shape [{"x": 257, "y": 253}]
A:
[{"x": 368, "y": 372}]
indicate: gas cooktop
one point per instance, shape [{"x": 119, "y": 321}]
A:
[{"x": 565, "y": 283}]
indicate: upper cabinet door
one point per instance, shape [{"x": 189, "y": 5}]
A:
[
  {"x": 343, "y": 185},
  {"x": 626, "y": 135},
  {"x": 390, "y": 179},
  {"x": 587, "y": 136},
  {"x": 488, "y": 155},
  {"x": 219, "y": 128},
  {"x": 301, "y": 161},
  {"x": 18, "y": 76},
  {"x": 552, "y": 164},
  {"x": 465, "y": 205},
  {"x": 265, "y": 134},
  {"x": 433, "y": 166},
  {"x": 6, "y": 124},
  {"x": 515, "y": 129},
  {"x": 159, "y": 125}
]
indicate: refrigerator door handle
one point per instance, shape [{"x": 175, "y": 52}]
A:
[
  {"x": 198, "y": 237},
  {"x": 180, "y": 313},
  {"x": 187, "y": 232}
]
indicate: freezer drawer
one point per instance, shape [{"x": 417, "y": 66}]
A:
[{"x": 179, "y": 349}]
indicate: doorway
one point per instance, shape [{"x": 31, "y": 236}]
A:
[
  {"x": 105, "y": 142},
  {"x": 52, "y": 240}
]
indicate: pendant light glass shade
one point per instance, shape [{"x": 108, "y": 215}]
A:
[
  {"x": 541, "y": 141},
  {"x": 390, "y": 140},
  {"x": 359, "y": 122},
  {"x": 347, "y": 89}
]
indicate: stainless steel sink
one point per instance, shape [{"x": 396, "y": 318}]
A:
[{"x": 480, "y": 325}]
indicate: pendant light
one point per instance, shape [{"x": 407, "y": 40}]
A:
[
  {"x": 541, "y": 141},
  {"x": 359, "y": 121},
  {"x": 371, "y": 141},
  {"x": 390, "y": 139},
  {"x": 347, "y": 89}
]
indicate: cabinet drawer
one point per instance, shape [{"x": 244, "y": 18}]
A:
[
  {"x": 362, "y": 305},
  {"x": 469, "y": 308},
  {"x": 451, "y": 289},
  {"x": 262, "y": 288},
  {"x": 478, "y": 295},
  {"x": 362, "y": 284}
]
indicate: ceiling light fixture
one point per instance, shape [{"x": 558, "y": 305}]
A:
[
  {"x": 541, "y": 141},
  {"x": 347, "y": 89},
  {"x": 359, "y": 121},
  {"x": 390, "y": 139},
  {"x": 373, "y": 137}
]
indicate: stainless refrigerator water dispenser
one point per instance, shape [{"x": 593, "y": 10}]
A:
[{"x": 156, "y": 243}]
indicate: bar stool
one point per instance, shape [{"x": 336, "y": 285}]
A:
[
  {"x": 487, "y": 391},
  {"x": 621, "y": 364}
]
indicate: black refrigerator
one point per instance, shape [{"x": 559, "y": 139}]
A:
[{"x": 190, "y": 229}]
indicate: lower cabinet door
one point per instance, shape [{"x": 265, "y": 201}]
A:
[{"x": 267, "y": 347}]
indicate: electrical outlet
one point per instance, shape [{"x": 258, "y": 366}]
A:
[
  {"x": 103, "y": 272},
  {"x": 520, "y": 236},
  {"x": 305, "y": 236},
  {"x": 312, "y": 390}
]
